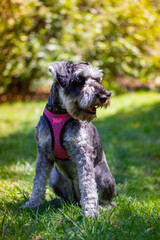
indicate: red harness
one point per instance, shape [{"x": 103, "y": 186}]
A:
[{"x": 57, "y": 124}]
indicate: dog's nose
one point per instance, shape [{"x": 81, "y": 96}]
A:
[
  {"x": 108, "y": 94},
  {"x": 103, "y": 98}
]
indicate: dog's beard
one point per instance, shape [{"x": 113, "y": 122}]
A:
[
  {"x": 81, "y": 114},
  {"x": 87, "y": 113}
]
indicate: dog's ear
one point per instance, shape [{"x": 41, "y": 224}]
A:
[{"x": 62, "y": 71}]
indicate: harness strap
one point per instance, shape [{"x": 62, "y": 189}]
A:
[
  {"x": 50, "y": 128},
  {"x": 55, "y": 110}
]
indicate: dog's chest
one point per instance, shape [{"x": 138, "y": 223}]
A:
[{"x": 67, "y": 168}]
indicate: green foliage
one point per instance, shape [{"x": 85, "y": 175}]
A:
[
  {"x": 129, "y": 129},
  {"x": 122, "y": 37}
]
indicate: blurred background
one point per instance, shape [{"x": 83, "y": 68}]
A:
[{"x": 121, "y": 37}]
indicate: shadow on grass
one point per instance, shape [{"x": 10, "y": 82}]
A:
[
  {"x": 41, "y": 209},
  {"x": 18, "y": 147}
]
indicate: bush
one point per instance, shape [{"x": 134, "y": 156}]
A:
[{"x": 121, "y": 37}]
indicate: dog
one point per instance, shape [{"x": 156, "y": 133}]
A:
[{"x": 69, "y": 149}]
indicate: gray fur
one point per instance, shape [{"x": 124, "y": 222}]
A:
[{"x": 77, "y": 89}]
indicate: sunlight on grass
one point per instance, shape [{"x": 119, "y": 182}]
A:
[
  {"x": 129, "y": 102},
  {"x": 129, "y": 130},
  {"x": 19, "y": 116}
]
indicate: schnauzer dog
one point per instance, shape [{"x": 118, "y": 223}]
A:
[{"x": 67, "y": 140}]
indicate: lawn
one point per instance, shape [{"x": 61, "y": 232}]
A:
[{"x": 130, "y": 132}]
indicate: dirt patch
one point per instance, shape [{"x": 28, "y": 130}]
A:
[{"x": 39, "y": 94}]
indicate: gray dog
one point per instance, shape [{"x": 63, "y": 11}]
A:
[{"x": 67, "y": 139}]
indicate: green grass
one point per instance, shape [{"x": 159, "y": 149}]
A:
[{"x": 130, "y": 131}]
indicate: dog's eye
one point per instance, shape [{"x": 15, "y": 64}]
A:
[{"x": 78, "y": 80}]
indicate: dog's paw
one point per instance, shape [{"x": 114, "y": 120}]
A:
[
  {"x": 29, "y": 204},
  {"x": 57, "y": 201},
  {"x": 107, "y": 206},
  {"x": 91, "y": 213},
  {"x": 113, "y": 204}
]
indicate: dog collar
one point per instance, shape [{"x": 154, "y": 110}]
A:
[{"x": 56, "y": 110}]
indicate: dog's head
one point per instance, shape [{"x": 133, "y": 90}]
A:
[{"x": 80, "y": 89}]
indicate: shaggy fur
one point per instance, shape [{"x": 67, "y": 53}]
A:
[{"x": 77, "y": 90}]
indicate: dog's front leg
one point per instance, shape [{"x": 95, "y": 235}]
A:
[
  {"x": 43, "y": 169},
  {"x": 88, "y": 186},
  {"x": 44, "y": 164}
]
